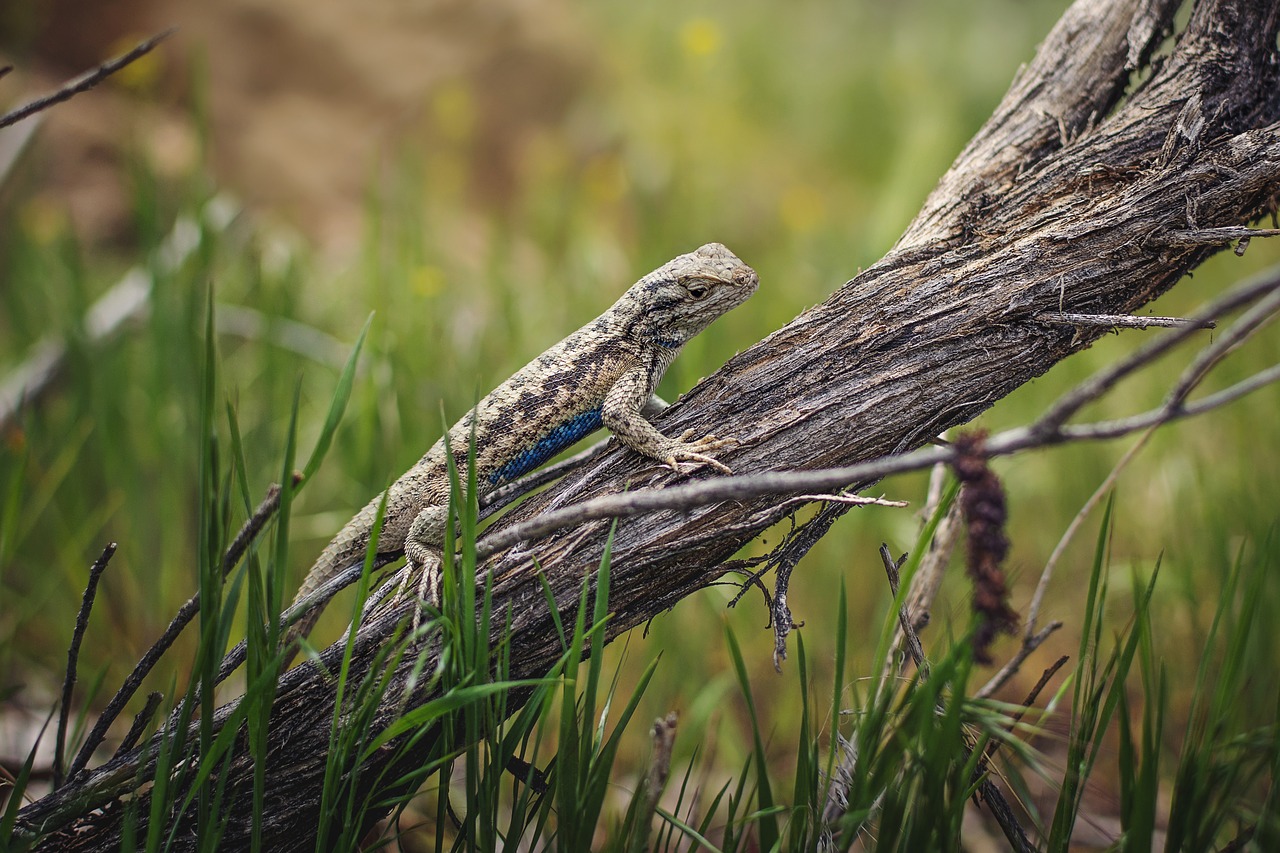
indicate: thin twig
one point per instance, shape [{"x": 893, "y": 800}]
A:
[
  {"x": 1215, "y": 236},
  {"x": 252, "y": 526},
  {"x": 1121, "y": 320},
  {"x": 1119, "y": 427},
  {"x": 848, "y": 500},
  {"x": 1040, "y": 686},
  {"x": 248, "y": 531},
  {"x": 537, "y": 780},
  {"x": 1226, "y": 343},
  {"x": 140, "y": 723},
  {"x": 1045, "y": 678},
  {"x": 85, "y": 81},
  {"x": 73, "y": 656},
  {"x": 994, "y": 744},
  {"x": 664, "y": 738},
  {"x": 1003, "y": 815},
  {"x": 1029, "y": 645},
  {"x": 989, "y": 752},
  {"x": 745, "y": 487},
  {"x": 1103, "y": 380},
  {"x": 914, "y": 647},
  {"x": 1042, "y": 586},
  {"x": 785, "y": 558},
  {"x": 933, "y": 564}
]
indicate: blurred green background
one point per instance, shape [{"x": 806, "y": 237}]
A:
[{"x": 484, "y": 181}]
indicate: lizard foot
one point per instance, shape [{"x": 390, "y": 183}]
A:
[
  {"x": 427, "y": 565},
  {"x": 684, "y": 450}
]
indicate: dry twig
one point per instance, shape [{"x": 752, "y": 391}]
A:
[
  {"x": 235, "y": 551},
  {"x": 84, "y": 82},
  {"x": 73, "y": 654}
]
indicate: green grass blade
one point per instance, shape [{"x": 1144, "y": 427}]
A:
[
  {"x": 837, "y": 689},
  {"x": 767, "y": 824},
  {"x": 597, "y": 780},
  {"x": 569, "y": 760},
  {"x": 807, "y": 794},
  {"x": 341, "y": 395},
  {"x": 208, "y": 558},
  {"x": 689, "y": 832},
  {"x": 16, "y": 793}
]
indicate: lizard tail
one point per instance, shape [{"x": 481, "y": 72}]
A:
[
  {"x": 329, "y": 563},
  {"x": 296, "y": 631}
]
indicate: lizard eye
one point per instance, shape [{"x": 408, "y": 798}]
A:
[{"x": 697, "y": 288}]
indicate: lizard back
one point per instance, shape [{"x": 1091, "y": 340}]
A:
[{"x": 557, "y": 398}]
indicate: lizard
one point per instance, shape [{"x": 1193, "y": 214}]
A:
[{"x": 604, "y": 374}]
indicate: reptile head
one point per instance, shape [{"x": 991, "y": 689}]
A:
[{"x": 683, "y": 296}]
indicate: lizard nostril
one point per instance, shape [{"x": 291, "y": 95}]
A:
[{"x": 742, "y": 276}]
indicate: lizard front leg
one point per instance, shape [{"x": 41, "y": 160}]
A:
[{"x": 622, "y": 414}]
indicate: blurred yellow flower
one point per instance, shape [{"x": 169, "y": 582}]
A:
[
  {"x": 143, "y": 73},
  {"x": 454, "y": 110},
  {"x": 802, "y": 208},
  {"x": 605, "y": 179},
  {"x": 700, "y": 37},
  {"x": 426, "y": 280},
  {"x": 43, "y": 219}
]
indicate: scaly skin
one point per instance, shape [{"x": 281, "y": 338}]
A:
[{"x": 602, "y": 374}]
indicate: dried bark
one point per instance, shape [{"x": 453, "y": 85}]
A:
[{"x": 1085, "y": 192}]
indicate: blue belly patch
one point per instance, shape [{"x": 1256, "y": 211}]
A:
[{"x": 549, "y": 445}]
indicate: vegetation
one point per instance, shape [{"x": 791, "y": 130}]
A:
[{"x": 1165, "y": 720}]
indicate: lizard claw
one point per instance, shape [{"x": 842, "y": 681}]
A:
[
  {"x": 697, "y": 458},
  {"x": 697, "y": 451},
  {"x": 420, "y": 558}
]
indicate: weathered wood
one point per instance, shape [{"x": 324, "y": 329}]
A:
[{"x": 1075, "y": 197}]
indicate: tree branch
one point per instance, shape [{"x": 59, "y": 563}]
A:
[{"x": 1065, "y": 201}]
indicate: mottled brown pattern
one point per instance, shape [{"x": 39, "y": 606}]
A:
[{"x": 610, "y": 366}]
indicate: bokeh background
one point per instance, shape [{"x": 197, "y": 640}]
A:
[{"x": 484, "y": 178}]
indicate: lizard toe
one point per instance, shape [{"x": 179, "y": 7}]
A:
[{"x": 688, "y": 455}]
